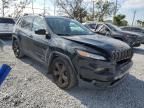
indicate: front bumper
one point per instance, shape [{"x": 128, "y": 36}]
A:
[{"x": 103, "y": 72}]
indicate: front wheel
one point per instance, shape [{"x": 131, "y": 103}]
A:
[
  {"x": 63, "y": 74},
  {"x": 16, "y": 49}
]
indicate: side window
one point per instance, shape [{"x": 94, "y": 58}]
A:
[
  {"x": 136, "y": 29},
  {"x": 126, "y": 28},
  {"x": 38, "y": 24},
  {"x": 92, "y": 26},
  {"x": 97, "y": 26},
  {"x": 26, "y": 23},
  {"x": 104, "y": 30}
]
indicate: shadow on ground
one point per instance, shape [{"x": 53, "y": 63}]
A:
[{"x": 128, "y": 94}]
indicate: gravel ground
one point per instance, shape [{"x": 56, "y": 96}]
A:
[{"x": 28, "y": 86}]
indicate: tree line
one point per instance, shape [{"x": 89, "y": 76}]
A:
[{"x": 81, "y": 10}]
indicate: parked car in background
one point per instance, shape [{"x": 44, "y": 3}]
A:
[
  {"x": 107, "y": 29},
  {"x": 90, "y": 25},
  {"x": 71, "y": 51},
  {"x": 138, "y": 30},
  {"x": 6, "y": 27}
]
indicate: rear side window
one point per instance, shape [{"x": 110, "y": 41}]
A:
[
  {"x": 136, "y": 29},
  {"x": 93, "y": 26},
  {"x": 97, "y": 26},
  {"x": 126, "y": 28},
  {"x": 26, "y": 23},
  {"x": 7, "y": 20}
]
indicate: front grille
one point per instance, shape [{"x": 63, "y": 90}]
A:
[{"x": 120, "y": 55}]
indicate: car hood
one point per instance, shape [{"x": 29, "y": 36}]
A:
[
  {"x": 132, "y": 34},
  {"x": 97, "y": 41}
]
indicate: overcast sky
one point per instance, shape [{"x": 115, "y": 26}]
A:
[{"x": 127, "y": 7}]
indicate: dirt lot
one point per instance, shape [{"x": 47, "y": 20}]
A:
[{"x": 28, "y": 86}]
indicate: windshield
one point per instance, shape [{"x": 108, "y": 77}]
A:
[
  {"x": 67, "y": 27},
  {"x": 113, "y": 27}
]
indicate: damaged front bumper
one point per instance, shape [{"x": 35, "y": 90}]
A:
[{"x": 102, "y": 72}]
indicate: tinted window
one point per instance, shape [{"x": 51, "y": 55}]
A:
[
  {"x": 136, "y": 29},
  {"x": 98, "y": 26},
  {"x": 26, "y": 23},
  {"x": 126, "y": 28},
  {"x": 7, "y": 20},
  {"x": 92, "y": 26},
  {"x": 113, "y": 27},
  {"x": 38, "y": 24},
  {"x": 62, "y": 26}
]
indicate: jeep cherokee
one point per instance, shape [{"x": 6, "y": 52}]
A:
[{"x": 71, "y": 51}]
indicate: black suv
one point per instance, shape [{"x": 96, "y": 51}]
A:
[
  {"x": 107, "y": 29},
  {"x": 138, "y": 30},
  {"x": 71, "y": 51}
]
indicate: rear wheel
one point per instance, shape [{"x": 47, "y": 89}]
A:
[
  {"x": 63, "y": 74},
  {"x": 16, "y": 49}
]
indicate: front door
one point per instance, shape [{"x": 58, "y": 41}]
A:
[{"x": 40, "y": 43}]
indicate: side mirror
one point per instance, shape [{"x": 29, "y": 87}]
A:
[{"x": 40, "y": 32}]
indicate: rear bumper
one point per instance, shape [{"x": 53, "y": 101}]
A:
[
  {"x": 102, "y": 72},
  {"x": 6, "y": 35}
]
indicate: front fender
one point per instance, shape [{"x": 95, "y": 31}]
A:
[{"x": 55, "y": 54}]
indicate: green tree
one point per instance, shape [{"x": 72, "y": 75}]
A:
[
  {"x": 119, "y": 20},
  {"x": 140, "y": 23},
  {"x": 104, "y": 9}
]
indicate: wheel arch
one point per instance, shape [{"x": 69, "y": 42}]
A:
[{"x": 55, "y": 54}]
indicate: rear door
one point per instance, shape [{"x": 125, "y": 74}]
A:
[
  {"x": 24, "y": 31},
  {"x": 40, "y": 43},
  {"x": 6, "y": 25}
]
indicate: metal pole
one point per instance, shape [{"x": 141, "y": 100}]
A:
[
  {"x": 54, "y": 7},
  {"x": 116, "y": 8},
  {"x": 2, "y": 8},
  {"x": 134, "y": 17},
  {"x": 44, "y": 7},
  {"x": 33, "y": 7},
  {"x": 93, "y": 10}
]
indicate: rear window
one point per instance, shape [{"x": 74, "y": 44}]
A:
[{"x": 7, "y": 20}]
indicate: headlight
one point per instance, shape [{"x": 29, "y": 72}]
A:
[{"x": 90, "y": 55}]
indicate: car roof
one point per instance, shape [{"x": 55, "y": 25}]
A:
[
  {"x": 58, "y": 17},
  {"x": 130, "y": 27},
  {"x": 63, "y": 17}
]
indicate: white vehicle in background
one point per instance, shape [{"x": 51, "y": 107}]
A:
[{"x": 6, "y": 27}]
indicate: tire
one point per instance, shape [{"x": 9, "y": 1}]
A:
[
  {"x": 16, "y": 49},
  {"x": 63, "y": 74}
]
